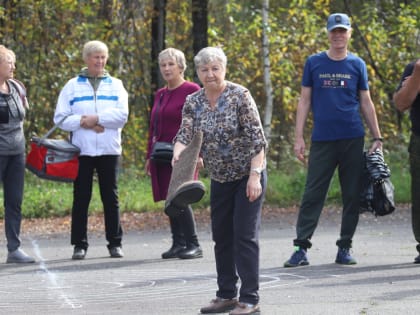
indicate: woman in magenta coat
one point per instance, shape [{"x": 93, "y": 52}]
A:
[{"x": 164, "y": 123}]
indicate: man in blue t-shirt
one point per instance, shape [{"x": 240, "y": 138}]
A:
[
  {"x": 407, "y": 97},
  {"x": 335, "y": 88}
]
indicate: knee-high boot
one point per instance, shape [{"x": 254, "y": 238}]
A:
[
  {"x": 187, "y": 222},
  {"x": 178, "y": 239}
]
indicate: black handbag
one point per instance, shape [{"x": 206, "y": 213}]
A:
[{"x": 162, "y": 152}]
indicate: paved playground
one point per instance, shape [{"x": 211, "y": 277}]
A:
[{"x": 385, "y": 281}]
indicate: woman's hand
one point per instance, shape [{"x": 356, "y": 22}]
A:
[
  {"x": 200, "y": 163},
  {"x": 178, "y": 148},
  {"x": 147, "y": 167},
  {"x": 253, "y": 187},
  {"x": 98, "y": 128},
  {"x": 89, "y": 121}
]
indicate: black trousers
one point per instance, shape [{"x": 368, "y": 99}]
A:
[
  {"x": 414, "y": 156},
  {"x": 183, "y": 229},
  {"x": 106, "y": 167},
  {"x": 324, "y": 158},
  {"x": 235, "y": 225}
]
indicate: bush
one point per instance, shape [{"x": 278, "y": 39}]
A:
[{"x": 44, "y": 198}]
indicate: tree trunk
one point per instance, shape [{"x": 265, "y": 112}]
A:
[
  {"x": 199, "y": 27},
  {"x": 106, "y": 12},
  {"x": 158, "y": 43},
  {"x": 268, "y": 112}
]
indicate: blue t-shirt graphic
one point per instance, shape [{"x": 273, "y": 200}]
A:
[{"x": 335, "y": 95}]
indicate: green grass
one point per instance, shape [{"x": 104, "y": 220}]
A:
[
  {"x": 44, "y": 198},
  {"x": 397, "y": 160}
]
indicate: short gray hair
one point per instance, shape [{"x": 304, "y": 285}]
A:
[
  {"x": 94, "y": 46},
  {"x": 5, "y": 52},
  {"x": 176, "y": 54},
  {"x": 210, "y": 54}
]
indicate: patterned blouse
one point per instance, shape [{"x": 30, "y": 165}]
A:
[{"x": 232, "y": 131}]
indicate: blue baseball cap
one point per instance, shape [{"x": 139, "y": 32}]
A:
[{"x": 338, "y": 20}]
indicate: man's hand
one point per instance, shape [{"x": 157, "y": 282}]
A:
[
  {"x": 377, "y": 144},
  {"x": 299, "y": 149},
  {"x": 253, "y": 187}
]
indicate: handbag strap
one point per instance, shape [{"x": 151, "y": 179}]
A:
[
  {"x": 155, "y": 125},
  {"x": 49, "y": 132}
]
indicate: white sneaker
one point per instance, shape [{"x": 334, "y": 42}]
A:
[{"x": 19, "y": 256}]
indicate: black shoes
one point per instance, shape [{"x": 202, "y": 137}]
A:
[
  {"x": 191, "y": 252},
  {"x": 173, "y": 251},
  {"x": 178, "y": 251},
  {"x": 79, "y": 253}
]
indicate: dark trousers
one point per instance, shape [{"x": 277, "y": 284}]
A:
[
  {"x": 12, "y": 173},
  {"x": 414, "y": 150},
  {"x": 106, "y": 167},
  {"x": 324, "y": 158},
  {"x": 183, "y": 229},
  {"x": 235, "y": 225}
]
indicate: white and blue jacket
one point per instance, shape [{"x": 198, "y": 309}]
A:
[{"x": 109, "y": 102}]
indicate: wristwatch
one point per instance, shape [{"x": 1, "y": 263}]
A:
[{"x": 257, "y": 170}]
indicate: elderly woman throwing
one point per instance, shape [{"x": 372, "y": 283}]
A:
[{"x": 233, "y": 152}]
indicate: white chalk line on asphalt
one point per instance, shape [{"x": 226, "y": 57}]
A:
[
  {"x": 52, "y": 278},
  {"x": 155, "y": 284}
]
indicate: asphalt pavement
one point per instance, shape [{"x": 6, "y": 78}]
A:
[{"x": 385, "y": 280}]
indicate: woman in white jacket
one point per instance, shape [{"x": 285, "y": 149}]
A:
[{"x": 96, "y": 107}]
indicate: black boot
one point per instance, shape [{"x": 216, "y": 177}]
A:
[
  {"x": 178, "y": 240},
  {"x": 193, "y": 249},
  {"x": 173, "y": 252},
  {"x": 191, "y": 252}
]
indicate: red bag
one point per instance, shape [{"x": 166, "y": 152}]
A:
[{"x": 52, "y": 159}]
